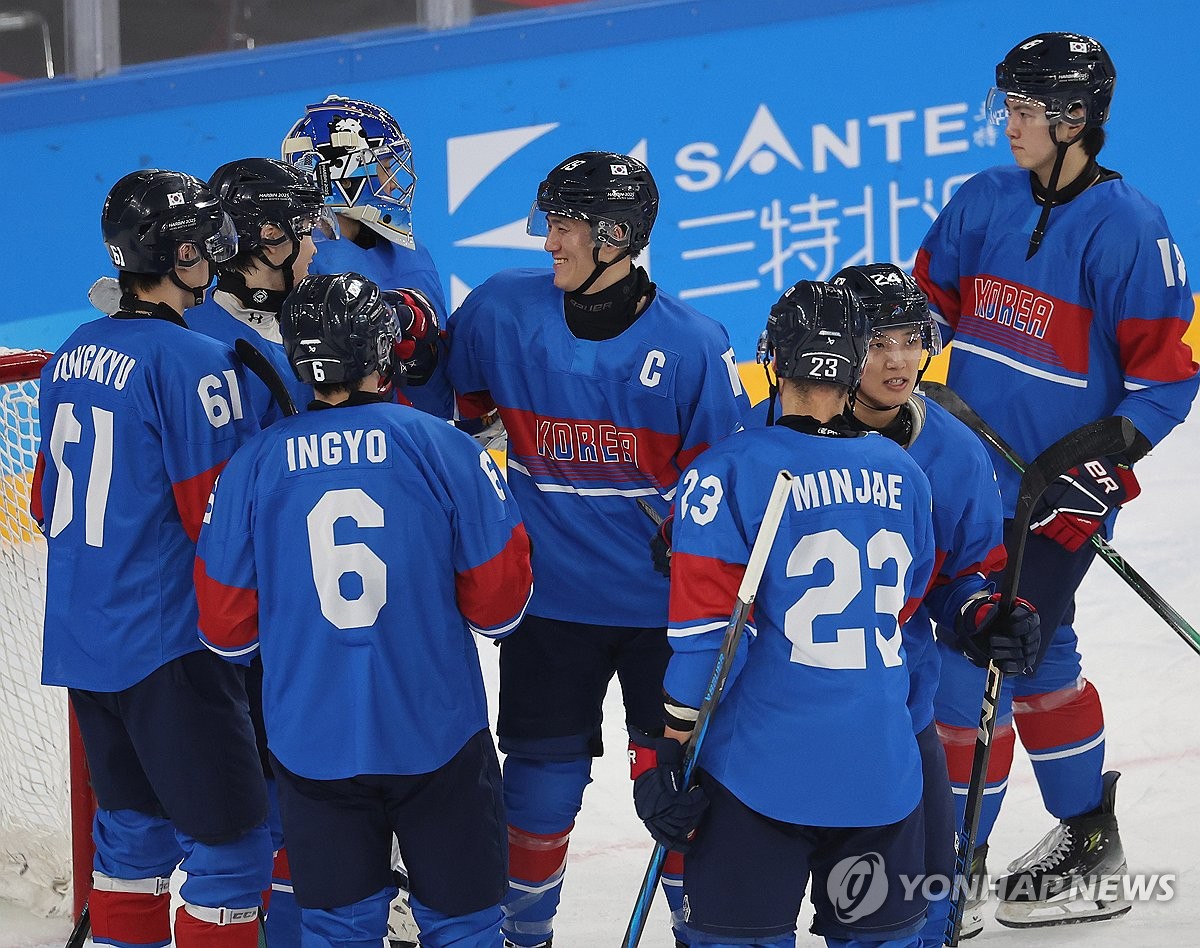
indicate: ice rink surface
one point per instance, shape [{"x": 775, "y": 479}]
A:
[{"x": 1148, "y": 679}]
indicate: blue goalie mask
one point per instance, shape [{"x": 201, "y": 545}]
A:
[{"x": 362, "y": 161}]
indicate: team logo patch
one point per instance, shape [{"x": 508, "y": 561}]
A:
[
  {"x": 571, "y": 165},
  {"x": 1077, "y": 47},
  {"x": 174, "y": 198},
  {"x": 259, "y": 296},
  {"x": 619, "y": 169}
]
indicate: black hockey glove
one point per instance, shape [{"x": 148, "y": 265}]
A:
[
  {"x": 1011, "y": 642},
  {"x": 660, "y": 545},
  {"x": 1074, "y": 506},
  {"x": 670, "y": 811},
  {"x": 416, "y": 352}
]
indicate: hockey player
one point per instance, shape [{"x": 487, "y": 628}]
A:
[
  {"x": 810, "y": 765},
  {"x": 364, "y": 164},
  {"x": 278, "y": 212},
  {"x": 140, "y": 415},
  {"x": 968, "y": 529},
  {"x": 364, "y": 634},
  {"x": 608, "y": 389},
  {"x": 1080, "y": 319}
]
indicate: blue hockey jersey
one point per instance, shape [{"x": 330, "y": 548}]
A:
[
  {"x": 814, "y": 728},
  {"x": 1091, "y": 326},
  {"x": 358, "y": 548},
  {"x": 390, "y": 267},
  {"x": 223, "y": 317},
  {"x": 138, "y": 418},
  {"x": 592, "y": 426},
  {"x": 968, "y": 530}
]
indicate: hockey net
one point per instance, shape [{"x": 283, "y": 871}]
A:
[{"x": 35, "y": 771}]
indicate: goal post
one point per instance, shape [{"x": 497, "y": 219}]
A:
[{"x": 45, "y": 798}]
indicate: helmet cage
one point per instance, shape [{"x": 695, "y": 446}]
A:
[{"x": 362, "y": 161}]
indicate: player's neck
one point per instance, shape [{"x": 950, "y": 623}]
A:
[
  {"x": 823, "y": 406},
  {"x": 1075, "y": 163}
]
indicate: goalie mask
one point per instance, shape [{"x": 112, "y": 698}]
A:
[
  {"x": 337, "y": 329},
  {"x": 816, "y": 332},
  {"x": 154, "y": 221},
  {"x": 363, "y": 163}
]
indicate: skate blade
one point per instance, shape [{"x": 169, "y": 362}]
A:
[
  {"x": 972, "y": 922},
  {"x": 1051, "y": 913}
]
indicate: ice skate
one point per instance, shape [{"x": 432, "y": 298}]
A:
[{"x": 1075, "y": 874}]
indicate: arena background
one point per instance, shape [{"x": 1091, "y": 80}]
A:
[{"x": 788, "y": 139}]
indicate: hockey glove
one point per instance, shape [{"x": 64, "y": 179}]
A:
[
  {"x": 669, "y": 810},
  {"x": 415, "y": 353},
  {"x": 1074, "y": 506},
  {"x": 660, "y": 545},
  {"x": 1011, "y": 641}
]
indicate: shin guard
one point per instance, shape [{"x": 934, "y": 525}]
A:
[
  {"x": 959, "y": 744},
  {"x": 200, "y": 927},
  {"x": 1063, "y": 731},
  {"x": 130, "y": 912},
  {"x": 536, "y": 865}
]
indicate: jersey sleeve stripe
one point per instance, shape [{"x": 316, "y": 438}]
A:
[
  {"x": 1153, "y": 350},
  {"x": 945, "y": 302},
  {"x": 680, "y": 631},
  {"x": 493, "y": 595},
  {"x": 36, "y": 509},
  {"x": 703, "y": 589},
  {"x": 228, "y": 615},
  {"x": 500, "y": 631},
  {"x": 191, "y": 498}
]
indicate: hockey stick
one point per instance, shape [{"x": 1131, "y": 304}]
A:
[
  {"x": 1106, "y": 436},
  {"x": 83, "y": 928},
  {"x": 716, "y": 683},
  {"x": 261, "y": 366},
  {"x": 949, "y": 400},
  {"x": 649, "y": 511}
]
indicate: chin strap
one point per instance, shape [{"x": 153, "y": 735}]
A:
[
  {"x": 196, "y": 291},
  {"x": 285, "y": 268},
  {"x": 599, "y": 268},
  {"x": 1035, "y": 239}
]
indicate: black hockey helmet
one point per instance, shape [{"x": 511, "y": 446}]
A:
[
  {"x": 892, "y": 299},
  {"x": 337, "y": 329},
  {"x": 816, "y": 332},
  {"x": 148, "y": 215},
  {"x": 1070, "y": 74},
  {"x": 258, "y": 191},
  {"x": 615, "y": 193}
]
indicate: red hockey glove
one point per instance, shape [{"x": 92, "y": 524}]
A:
[
  {"x": 1074, "y": 506},
  {"x": 670, "y": 811},
  {"x": 1011, "y": 642},
  {"x": 660, "y": 545},
  {"x": 415, "y": 353}
]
